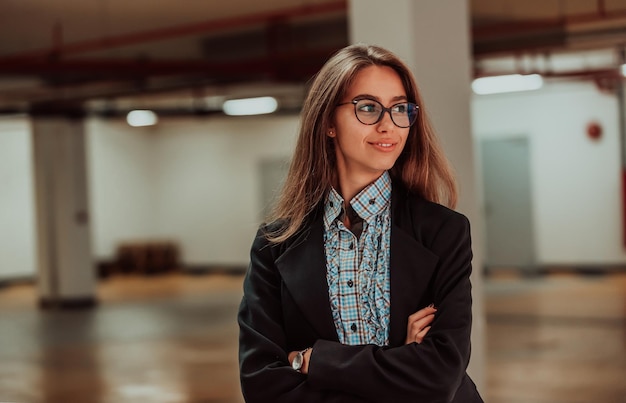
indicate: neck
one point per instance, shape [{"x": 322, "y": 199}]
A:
[{"x": 351, "y": 185}]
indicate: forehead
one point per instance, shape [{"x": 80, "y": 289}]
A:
[{"x": 380, "y": 81}]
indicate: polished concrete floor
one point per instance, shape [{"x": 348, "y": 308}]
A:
[{"x": 173, "y": 338}]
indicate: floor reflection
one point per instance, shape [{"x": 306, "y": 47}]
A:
[
  {"x": 559, "y": 338},
  {"x": 173, "y": 338}
]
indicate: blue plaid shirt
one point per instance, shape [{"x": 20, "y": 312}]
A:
[{"x": 358, "y": 263}]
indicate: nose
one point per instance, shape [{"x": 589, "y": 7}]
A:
[{"x": 385, "y": 122}]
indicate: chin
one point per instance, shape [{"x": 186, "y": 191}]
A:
[
  {"x": 381, "y": 169},
  {"x": 388, "y": 165}
]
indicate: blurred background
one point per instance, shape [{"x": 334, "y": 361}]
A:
[{"x": 142, "y": 143}]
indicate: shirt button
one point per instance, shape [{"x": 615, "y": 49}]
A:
[
  {"x": 353, "y": 327},
  {"x": 351, "y": 246},
  {"x": 331, "y": 204},
  {"x": 350, "y": 283},
  {"x": 372, "y": 201}
]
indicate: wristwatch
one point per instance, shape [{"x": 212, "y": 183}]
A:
[{"x": 298, "y": 360}]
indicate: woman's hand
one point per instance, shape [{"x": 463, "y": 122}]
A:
[{"x": 419, "y": 324}]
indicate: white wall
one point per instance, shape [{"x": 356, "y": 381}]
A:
[
  {"x": 121, "y": 184},
  {"x": 17, "y": 211},
  {"x": 208, "y": 194},
  {"x": 575, "y": 182},
  {"x": 197, "y": 180},
  {"x": 194, "y": 181}
]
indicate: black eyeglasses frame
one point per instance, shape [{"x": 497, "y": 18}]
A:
[{"x": 382, "y": 113}]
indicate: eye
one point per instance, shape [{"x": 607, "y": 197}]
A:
[
  {"x": 400, "y": 108},
  {"x": 367, "y": 106}
]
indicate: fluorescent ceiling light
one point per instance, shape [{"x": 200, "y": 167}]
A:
[
  {"x": 139, "y": 118},
  {"x": 624, "y": 69},
  {"x": 250, "y": 106},
  {"x": 508, "y": 83}
]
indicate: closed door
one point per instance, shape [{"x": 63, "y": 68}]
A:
[{"x": 508, "y": 203}]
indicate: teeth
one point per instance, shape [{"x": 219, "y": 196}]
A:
[{"x": 384, "y": 144}]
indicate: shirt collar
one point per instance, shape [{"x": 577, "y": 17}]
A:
[{"x": 368, "y": 203}]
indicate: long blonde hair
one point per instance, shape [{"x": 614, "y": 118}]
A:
[{"x": 421, "y": 167}]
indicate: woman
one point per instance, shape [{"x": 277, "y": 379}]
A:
[{"x": 358, "y": 289}]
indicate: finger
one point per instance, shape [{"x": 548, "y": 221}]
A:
[
  {"x": 422, "y": 322},
  {"x": 417, "y": 326},
  {"x": 420, "y": 336},
  {"x": 411, "y": 337},
  {"x": 423, "y": 312},
  {"x": 411, "y": 333}
]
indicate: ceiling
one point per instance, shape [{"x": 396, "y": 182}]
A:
[{"x": 187, "y": 56}]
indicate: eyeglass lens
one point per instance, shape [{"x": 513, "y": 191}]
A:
[{"x": 369, "y": 112}]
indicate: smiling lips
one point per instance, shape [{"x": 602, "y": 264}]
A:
[{"x": 384, "y": 146}]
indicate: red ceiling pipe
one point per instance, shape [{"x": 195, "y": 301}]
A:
[
  {"x": 526, "y": 27},
  {"x": 179, "y": 31},
  {"x": 295, "y": 60},
  {"x": 601, "y": 8}
]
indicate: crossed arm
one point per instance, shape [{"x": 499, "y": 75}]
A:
[
  {"x": 417, "y": 327},
  {"x": 430, "y": 366}
]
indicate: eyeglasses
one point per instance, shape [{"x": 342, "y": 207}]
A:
[{"x": 370, "y": 112}]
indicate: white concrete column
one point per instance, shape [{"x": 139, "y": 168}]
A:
[
  {"x": 433, "y": 38},
  {"x": 66, "y": 275}
]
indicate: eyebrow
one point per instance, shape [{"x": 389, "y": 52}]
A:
[{"x": 374, "y": 97}]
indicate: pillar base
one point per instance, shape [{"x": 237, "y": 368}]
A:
[{"x": 68, "y": 303}]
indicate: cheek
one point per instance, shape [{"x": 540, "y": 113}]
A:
[
  {"x": 342, "y": 143},
  {"x": 349, "y": 140},
  {"x": 405, "y": 139}
]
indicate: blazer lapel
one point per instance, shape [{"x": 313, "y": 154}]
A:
[
  {"x": 411, "y": 268},
  {"x": 303, "y": 269}
]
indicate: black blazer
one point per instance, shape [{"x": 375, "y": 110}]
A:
[{"x": 286, "y": 308}]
